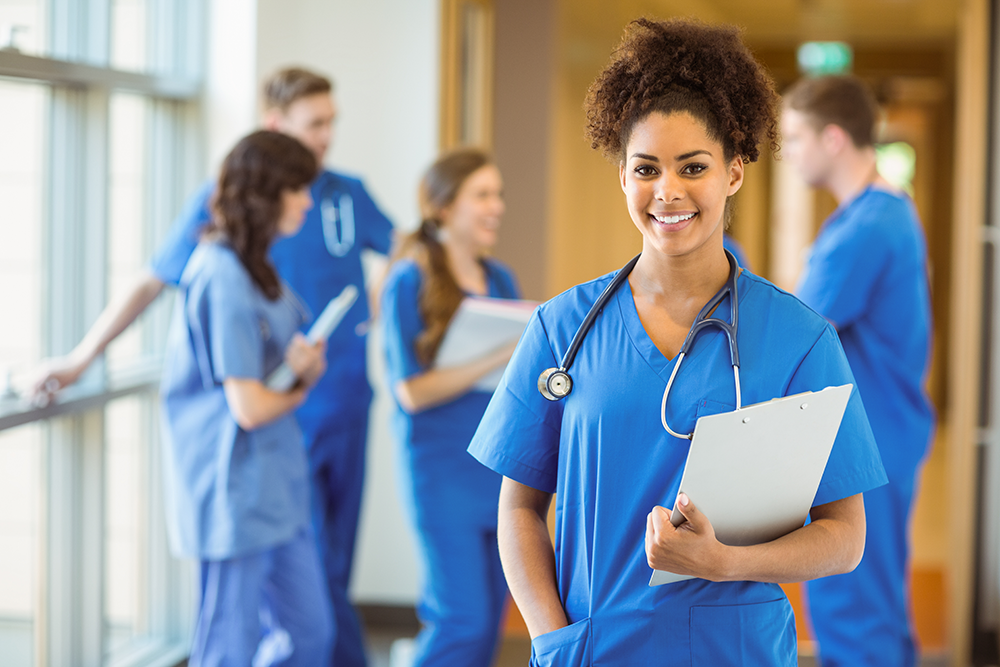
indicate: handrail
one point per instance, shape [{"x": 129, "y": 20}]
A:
[{"x": 140, "y": 377}]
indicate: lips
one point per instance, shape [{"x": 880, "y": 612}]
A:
[{"x": 673, "y": 222}]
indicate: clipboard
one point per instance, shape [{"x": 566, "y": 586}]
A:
[
  {"x": 283, "y": 378},
  {"x": 480, "y": 325},
  {"x": 755, "y": 472}
]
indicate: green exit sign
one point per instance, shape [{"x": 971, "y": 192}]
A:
[{"x": 817, "y": 58}]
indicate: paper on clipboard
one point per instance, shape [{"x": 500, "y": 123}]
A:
[
  {"x": 755, "y": 472},
  {"x": 479, "y": 326}
]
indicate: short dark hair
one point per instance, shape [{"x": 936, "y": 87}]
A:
[
  {"x": 248, "y": 201},
  {"x": 684, "y": 66},
  {"x": 841, "y": 100},
  {"x": 293, "y": 83}
]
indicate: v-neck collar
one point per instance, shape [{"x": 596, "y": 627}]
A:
[{"x": 644, "y": 344}]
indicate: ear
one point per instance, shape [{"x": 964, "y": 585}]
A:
[
  {"x": 834, "y": 138},
  {"x": 735, "y": 176},
  {"x": 272, "y": 119},
  {"x": 621, "y": 175}
]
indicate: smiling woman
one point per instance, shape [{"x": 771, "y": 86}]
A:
[{"x": 681, "y": 108}]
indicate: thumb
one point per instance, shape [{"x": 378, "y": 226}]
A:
[{"x": 688, "y": 509}]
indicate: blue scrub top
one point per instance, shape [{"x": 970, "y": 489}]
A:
[
  {"x": 448, "y": 486},
  {"x": 604, "y": 453},
  {"x": 867, "y": 274},
  {"x": 317, "y": 263},
  {"x": 230, "y": 492}
]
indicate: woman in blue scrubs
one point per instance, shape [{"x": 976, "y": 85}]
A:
[
  {"x": 237, "y": 476},
  {"x": 681, "y": 108},
  {"x": 451, "y": 498}
]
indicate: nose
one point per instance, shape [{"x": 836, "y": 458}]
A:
[{"x": 669, "y": 187}]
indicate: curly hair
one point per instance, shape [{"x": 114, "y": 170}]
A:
[
  {"x": 683, "y": 66},
  {"x": 248, "y": 201},
  {"x": 440, "y": 295}
]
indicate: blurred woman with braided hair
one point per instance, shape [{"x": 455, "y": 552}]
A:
[
  {"x": 680, "y": 108},
  {"x": 451, "y": 498}
]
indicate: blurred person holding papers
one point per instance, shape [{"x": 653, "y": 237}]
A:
[{"x": 441, "y": 296}]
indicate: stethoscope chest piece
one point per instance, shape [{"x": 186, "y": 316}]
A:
[{"x": 555, "y": 384}]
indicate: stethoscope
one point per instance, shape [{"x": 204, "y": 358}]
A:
[
  {"x": 337, "y": 206},
  {"x": 556, "y": 384}
]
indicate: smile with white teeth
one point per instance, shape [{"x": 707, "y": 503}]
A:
[{"x": 673, "y": 219}]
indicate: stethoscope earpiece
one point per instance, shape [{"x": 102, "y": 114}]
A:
[{"x": 555, "y": 384}]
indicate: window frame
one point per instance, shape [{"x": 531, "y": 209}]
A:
[{"x": 69, "y": 615}]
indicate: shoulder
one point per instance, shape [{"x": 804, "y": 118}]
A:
[
  {"x": 404, "y": 273},
  {"x": 775, "y": 307},
  {"x": 215, "y": 262},
  {"x": 883, "y": 213},
  {"x": 346, "y": 180},
  {"x": 562, "y": 315}
]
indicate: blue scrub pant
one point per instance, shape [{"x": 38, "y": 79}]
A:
[
  {"x": 264, "y": 609},
  {"x": 862, "y": 618},
  {"x": 337, "y": 459},
  {"x": 463, "y": 598}
]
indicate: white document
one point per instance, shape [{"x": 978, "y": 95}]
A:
[
  {"x": 755, "y": 472},
  {"x": 479, "y": 326},
  {"x": 283, "y": 379}
]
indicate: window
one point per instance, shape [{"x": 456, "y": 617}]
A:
[{"x": 98, "y": 116}]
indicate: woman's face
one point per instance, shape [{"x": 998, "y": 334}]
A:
[
  {"x": 473, "y": 219},
  {"x": 676, "y": 181},
  {"x": 294, "y": 204}
]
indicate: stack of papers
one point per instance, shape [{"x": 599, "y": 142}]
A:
[{"x": 480, "y": 326}]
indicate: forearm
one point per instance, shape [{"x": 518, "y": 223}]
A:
[
  {"x": 440, "y": 385},
  {"x": 252, "y": 404},
  {"x": 829, "y": 545},
  {"x": 529, "y": 561},
  {"x": 117, "y": 316}
]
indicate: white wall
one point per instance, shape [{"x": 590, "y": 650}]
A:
[{"x": 383, "y": 58}]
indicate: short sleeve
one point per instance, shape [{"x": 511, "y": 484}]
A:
[
  {"x": 842, "y": 272},
  {"x": 377, "y": 227},
  {"x": 226, "y": 329},
  {"x": 172, "y": 256},
  {"x": 401, "y": 321},
  {"x": 854, "y": 465},
  {"x": 519, "y": 434}
]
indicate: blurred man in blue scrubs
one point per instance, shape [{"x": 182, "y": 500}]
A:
[
  {"x": 867, "y": 274},
  {"x": 317, "y": 263}
]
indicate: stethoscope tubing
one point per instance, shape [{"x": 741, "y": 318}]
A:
[{"x": 556, "y": 383}]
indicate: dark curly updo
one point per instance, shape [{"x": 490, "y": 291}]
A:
[{"x": 683, "y": 66}]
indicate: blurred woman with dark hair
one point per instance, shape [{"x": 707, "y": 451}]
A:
[
  {"x": 237, "y": 477},
  {"x": 452, "y": 498}
]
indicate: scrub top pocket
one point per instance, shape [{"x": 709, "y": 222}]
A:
[
  {"x": 566, "y": 647},
  {"x": 746, "y": 634}
]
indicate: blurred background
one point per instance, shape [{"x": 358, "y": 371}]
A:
[{"x": 113, "y": 111}]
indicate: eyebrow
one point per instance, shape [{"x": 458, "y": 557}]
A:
[{"x": 679, "y": 158}]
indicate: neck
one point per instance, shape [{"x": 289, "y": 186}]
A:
[
  {"x": 464, "y": 262},
  {"x": 695, "y": 277},
  {"x": 855, "y": 172}
]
